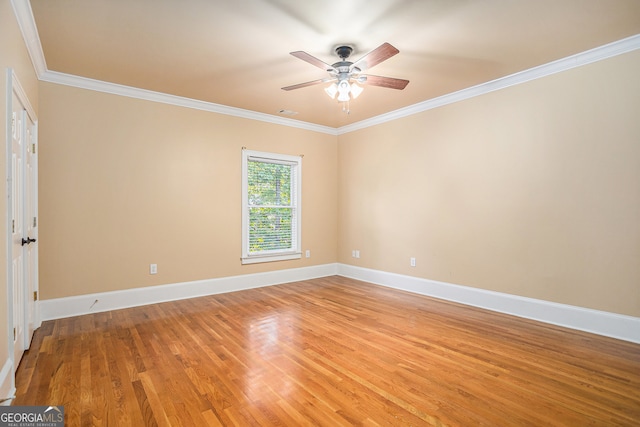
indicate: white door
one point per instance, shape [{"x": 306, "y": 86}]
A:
[
  {"x": 22, "y": 175},
  {"x": 17, "y": 227},
  {"x": 30, "y": 261}
]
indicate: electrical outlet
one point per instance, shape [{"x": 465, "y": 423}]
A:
[
  {"x": 153, "y": 268},
  {"x": 357, "y": 253},
  {"x": 307, "y": 253},
  {"x": 412, "y": 262}
]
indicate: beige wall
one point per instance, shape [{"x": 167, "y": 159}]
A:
[
  {"x": 13, "y": 54},
  {"x": 125, "y": 183},
  {"x": 533, "y": 190}
]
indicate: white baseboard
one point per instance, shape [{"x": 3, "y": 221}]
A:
[
  {"x": 94, "y": 303},
  {"x": 7, "y": 389},
  {"x": 598, "y": 322}
]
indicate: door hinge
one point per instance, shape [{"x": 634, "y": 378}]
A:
[
  {"x": 33, "y": 148},
  {"x": 35, "y": 222},
  {"x": 13, "y": 225},
  {"x": 14, "y": 334},
  {"x": 35, "y": 295}
]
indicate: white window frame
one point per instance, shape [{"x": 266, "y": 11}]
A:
[{"x": 296, "y": 199}]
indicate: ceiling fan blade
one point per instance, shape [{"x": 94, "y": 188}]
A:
[
  {"x": 388, "y": 82},
  {"x": 311, "y": 83},
  {"x": 312, "y": 60},
  {"x": 376, "y": 56}
]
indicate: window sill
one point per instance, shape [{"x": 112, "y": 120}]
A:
[{"x": 270, "y": 258}]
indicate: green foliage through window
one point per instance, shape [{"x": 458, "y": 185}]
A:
[{"x": 271, "y": 212}]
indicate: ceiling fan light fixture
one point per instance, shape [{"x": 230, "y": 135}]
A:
[
  {"x": 355, "y": 90},
  {"x": 343, "y": 90},
  {"x": 331, "y": 90}
]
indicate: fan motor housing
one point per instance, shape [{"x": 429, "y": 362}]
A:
[
  {"x": 344, "y": 66},
  {"x": 344, "y": 52}
]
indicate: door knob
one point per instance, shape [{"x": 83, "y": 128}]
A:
[{"x": 27, "y": 241}]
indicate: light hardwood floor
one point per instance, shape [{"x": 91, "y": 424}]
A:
[{"x": 331, "y": 352}]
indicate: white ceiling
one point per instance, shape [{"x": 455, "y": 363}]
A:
[{"x": 236, "y": 53}]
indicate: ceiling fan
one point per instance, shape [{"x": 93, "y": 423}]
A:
[{"x": 346, "y": 74}]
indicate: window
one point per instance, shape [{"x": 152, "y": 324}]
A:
[{"x": 270, "y": 207}]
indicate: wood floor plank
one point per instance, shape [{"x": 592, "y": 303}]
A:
[{"x": 329, "y": 352}]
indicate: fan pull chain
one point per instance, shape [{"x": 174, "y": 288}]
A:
[{"x": 346, "y": 107}]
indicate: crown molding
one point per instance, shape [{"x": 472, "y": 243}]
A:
[
  {"x": 603, "y": 52},
  {"x": 26, "y": 22},
  {"x": 148, "y": 95},
  {"x": 27, "y": 25}
]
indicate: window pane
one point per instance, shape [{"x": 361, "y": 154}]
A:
[
  {"x": 270, "y": 229},
  {"x": 269, "y": 184},
  {"x": 270, "y": 207}
]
